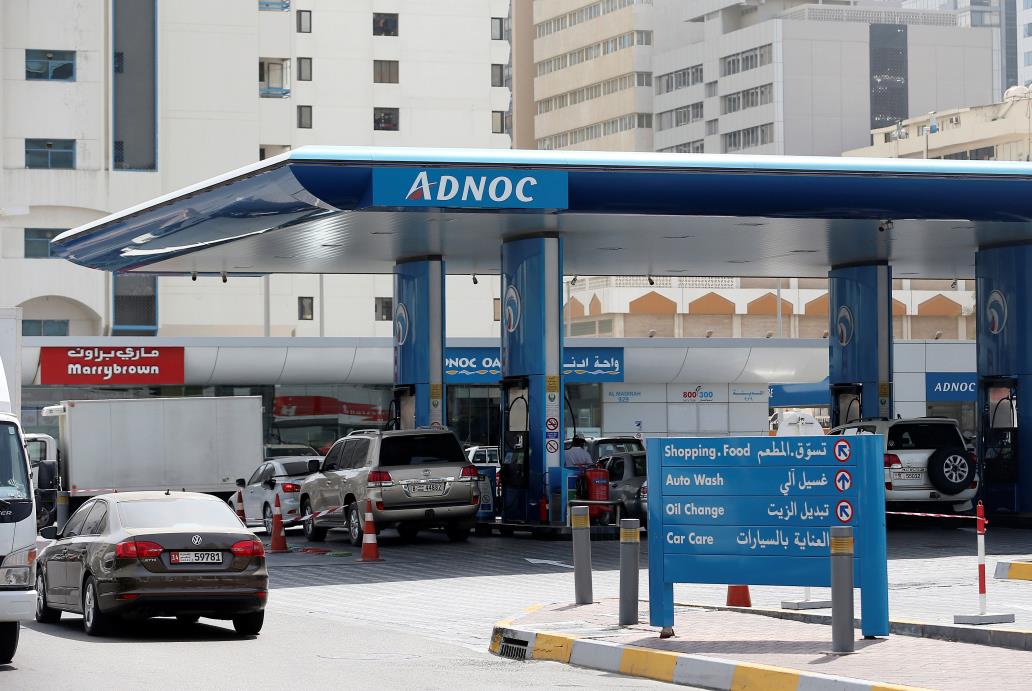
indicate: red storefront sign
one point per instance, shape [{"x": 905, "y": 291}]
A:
[{"x": 111, "y": 365}]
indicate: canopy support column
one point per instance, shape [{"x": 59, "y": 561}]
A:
[{"x": 419, "y": 343}]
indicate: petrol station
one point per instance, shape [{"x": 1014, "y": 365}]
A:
[{"x": 533, "y": 217}]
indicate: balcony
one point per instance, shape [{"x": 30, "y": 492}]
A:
[
  {"x": 273, "y": 92},
  {"x": 274, "y": 5},
  {"x": 274, "y": 77}
]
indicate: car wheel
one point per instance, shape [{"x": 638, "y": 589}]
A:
[
  {"x": 45, "y": 614},
  {"x": 249, "y": 624},
  {"x": 457, "y": 533},
  {"x": 187, "y": 618},
  {"x": 408, "y": 532},
  {"x": 313, "y": 532},
  {"x": 483, "y": 530},
  {"x": 9, "y": 633},
  {"x": 94, "y": 622},
  {"x": 950, "y": 471},
  {"x": 354, "y": 526},
  {"x": 267, "y": 519}
]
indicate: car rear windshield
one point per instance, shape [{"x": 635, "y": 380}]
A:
[
  {"x": 295, "y": 467},
  {"x": 608, "y": 448},
  {"x": 177, "y": 513},
  {"x": 420, "y": 448},
  {"x": 924, "y": 436}
]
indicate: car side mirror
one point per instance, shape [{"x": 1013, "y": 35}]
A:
[
  {"x": 241, "y": 482},
  {"x": 313, "y": 465},
  {"x": 49, "y": 533}
]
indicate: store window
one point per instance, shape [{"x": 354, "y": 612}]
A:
[
  {"x": 961, "y": 411},
  {"x": 474, "y": 413},
  {"x": 384, "y": 309},
  {"x": 583, "y": 410}
]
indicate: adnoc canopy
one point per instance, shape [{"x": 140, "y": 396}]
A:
[{"x": 358, "y": 210}]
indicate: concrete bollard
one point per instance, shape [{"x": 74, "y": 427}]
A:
[
  {"x": 843, "y": 638},
  {"x": 581, "y": 555},
  {"x": 630, "y": 548},
  {"x": 63, "y": 504}
]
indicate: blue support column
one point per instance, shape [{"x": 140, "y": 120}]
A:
[
  {"x": 531, "y": 329},
  {"x": 1004, "y": 319},
  {"x": 419, "y": 340},
  {"x": 860, "y": 342}
]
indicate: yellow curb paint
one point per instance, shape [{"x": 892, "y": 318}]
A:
[
  {"x": 532, "y": 609},
  {"x": 549, "y": 646},
  {"x": 763, "y": 678},
  {"x": 1021, "y": 571},
  {"x": 653, "y": 664},
  {"x": 496, "y": 642},
  {"x": 890, "y": 687}
]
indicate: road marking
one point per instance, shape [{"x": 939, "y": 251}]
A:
[{"x": 548, "y": 561}]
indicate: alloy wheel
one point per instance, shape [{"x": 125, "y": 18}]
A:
[{"x": 955, "y": 468}]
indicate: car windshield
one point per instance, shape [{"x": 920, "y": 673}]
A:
[
  {"x": 295, "y": 467},
  {"x": 415, "y": 449},
  {"x": 924, "y": 436},
  {"x": 608, "y": 448},
  {"x": 177, "y": 513},
  {"x": 14, "y": 473}
]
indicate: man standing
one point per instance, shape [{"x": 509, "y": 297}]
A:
[{"x": 577, "y": 456}]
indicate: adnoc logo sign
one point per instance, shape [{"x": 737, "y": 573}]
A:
[
  {"x": 844, "y": 326},
  {"x": 511, "y": 308},
  {"x": 401, "y": 324},
  {"x": 996, "y": 312},
  {"x": 470, "y": 188}
]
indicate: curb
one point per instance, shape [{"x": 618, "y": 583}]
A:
[
  {"x": 1014, "y": 570},
  {"x": 1013, "y": 639},
  {"x": 674, "y": 668}
]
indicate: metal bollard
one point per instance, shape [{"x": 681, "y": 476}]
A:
[
  {"x": 63, "y": 503},
  {"x": 630, "y": 547},
  {"x": 581, "y": 554},
  {"x": 843, "y": 638}
]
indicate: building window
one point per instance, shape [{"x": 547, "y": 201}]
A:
[
  {"x": 498, "y": 122},
  {"x": 50, "y": 153},
  {"x": 37, "y": 241},
  {"x": 681, "y": 79},
  {"x": 50, "y": 65},
  {"x": 711, "y": 89},
  {"x": 304, "y": 69},
  {"x": 497, "y": 28},
  {"x": 497, "y": 75},
  {"x": 385, "y": 71},
  {"x": 385, "y": 119},
  {"x": 746, "y": 60},
  {"x": 306, "y": 308},
  {"x": 712, "y": 127},
  {"x": 749, "y": 98},
  {"x": 304, "y": 21},
  {"x": 134, "y": 119},
  {"x": 44, "y": 327},
  {"x": 384, "y": 308},
  {"x": 748, "y": 138},
  {"x": 304, "y": 117},
  {"x": 385, "y": 24},
  {"x": 135, "y": 305},
  {"x": 679, "y": 116},
  {"x": 697, "y": 146},
  {"x": 497, "y": 306}
]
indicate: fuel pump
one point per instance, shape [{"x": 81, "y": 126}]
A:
[
  {"x": 515, "y": 451},
  {"x": 403, "y": 408},
  {"x": 998, "y": 442},
  {"x": 846, "y": 403}
]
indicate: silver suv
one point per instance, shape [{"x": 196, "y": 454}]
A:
[
  {"x": 926, "y": 461},
  {"x": 415, "y": 478}
]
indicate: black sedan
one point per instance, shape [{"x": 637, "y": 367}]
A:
[{"x": 152, "y": 554}]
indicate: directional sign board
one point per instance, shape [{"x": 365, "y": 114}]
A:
[{"x": 757, "y": 510}]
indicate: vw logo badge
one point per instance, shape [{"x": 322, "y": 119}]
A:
[
  {"x": 401, "y": 324},
  {"x": 844, "y": 326},
  {"x": 996, "y": 312},
  {"x": 513, "y": 307},
  {"x": 196, "y": 539}
]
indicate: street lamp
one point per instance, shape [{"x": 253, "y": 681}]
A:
[{"x": 931, "y": 128}]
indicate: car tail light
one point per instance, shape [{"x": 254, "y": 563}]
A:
[
  {"x": 379, "y": 506},
  {"x": 138, "y": 549},
  {"x": 892, "y": 460},
  {"x": 262, "y": 594},
  {"x": 379, "y": 478},
  {"x": 469, "y": 472},
  {"x": 248, "y": 548},
  {"x": 291, "y": 487}
]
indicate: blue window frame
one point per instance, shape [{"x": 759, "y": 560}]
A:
[
  {"x": 50, "y": 153},
  {"x": 44, "y": 327},
  {"x": 37, "y": 241},
  {"x": 50, "y": 65}
]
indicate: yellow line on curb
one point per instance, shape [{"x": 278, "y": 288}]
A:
[
  {"x": 1021, "y": 571},
  {"x": 653, "y": 664},
  {"x": 551, "y": 647},
  {"x": 764, "y": 678}
]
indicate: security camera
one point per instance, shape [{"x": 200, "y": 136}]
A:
[
  {"x": 225, "y": 278},
  {"x": 651, "y": 281},
  {"x": 193, "y": 276},
  {"x": 475, "y": 281}
]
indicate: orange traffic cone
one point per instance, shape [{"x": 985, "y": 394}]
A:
[
  {"x": 279, "y": 536},
  {"x": 370, "y": 548},
  {"x": 738, "y": 596},
  {"x": 240, "y": 506}
]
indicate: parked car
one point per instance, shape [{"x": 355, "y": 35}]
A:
[
  {"x": 152, "y": 554},
  {"x": 627, "y": 473},
  {"x": 600, "y": 447},
  {"x": 926, "y": 461},
  {"x": 279, "y": 477},
  {"x": 485, "y": 458},
  {"x": 282, "y": 450},
  {"x": 415, "y": 478}
]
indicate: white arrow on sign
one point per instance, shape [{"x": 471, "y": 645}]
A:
[{"x": 548, "y": 561}]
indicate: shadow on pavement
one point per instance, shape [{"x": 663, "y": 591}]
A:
[{"x": 160, "y": 630}]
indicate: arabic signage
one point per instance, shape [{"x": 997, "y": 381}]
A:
[
  {"x": 580, "y": 365},
  {"x": 950, "y": 386},
  {"x": 476, "y": 188},
  {"x": 757, "y": 510},
  {"x": 111, "y": 365}
]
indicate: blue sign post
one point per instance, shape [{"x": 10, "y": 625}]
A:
[{"x": 757, "y": 510}]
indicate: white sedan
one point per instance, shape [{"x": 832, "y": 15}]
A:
[{"x": 280, "y": 477}]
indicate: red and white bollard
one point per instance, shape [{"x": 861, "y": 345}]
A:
[{"x": 982, "y": 617}]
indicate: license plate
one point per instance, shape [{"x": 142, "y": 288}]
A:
[
  {"x": 898, "y": 475},
  {"x": 427, "y": 488},
  {"x": 195, "y": 557}
]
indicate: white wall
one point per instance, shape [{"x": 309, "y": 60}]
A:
[{"x": 684, "y": 409}]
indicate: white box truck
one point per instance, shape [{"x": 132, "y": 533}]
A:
[{"x": 198, "y": 444}]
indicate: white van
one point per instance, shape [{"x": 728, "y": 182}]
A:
[{"x": 17, "y": 529}]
